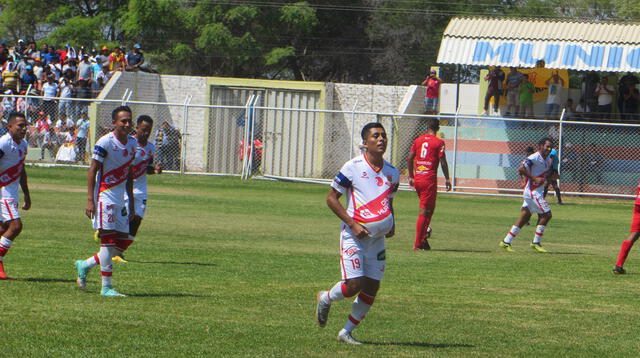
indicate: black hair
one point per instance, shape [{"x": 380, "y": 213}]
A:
[
  {"x": 529, "y": 150},
  {"x": 433, "y": 124},
  {"x": 365, "y": 129},
  {"x": 144, "y": 118},
  {"x": 15, "y": 115},
  {"x": 542, "y": 141},
  {"x": 114, "y": 113}
]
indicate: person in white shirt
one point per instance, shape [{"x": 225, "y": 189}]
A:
[{"x": 604, "y": 92}]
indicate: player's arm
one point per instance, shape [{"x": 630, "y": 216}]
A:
[
  {"x": 129, "y": 187},
  {"x": 91, "y": 187},
  {"x": 25, "y": 190},
  {"x": 524, "y": 171},
  {"x": 410, "y": 159},
  {"x": 154, "y": 169},
  {"x": 445, "y": 171},
  {"x": 392, "y": 232},
  {"x": 424, "y": 83},
  {"x": 333, "y": 202}
]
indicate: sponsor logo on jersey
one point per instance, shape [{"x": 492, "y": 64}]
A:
[
  {"x": 382, "y": 255},
  {"x": 379, "y": 181},
  {"x": 364, "y": 175},
  {"x": 349, "y": 252}
]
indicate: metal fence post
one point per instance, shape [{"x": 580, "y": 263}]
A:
[
  {"x": 245, "y": 146},
  {"x": 353, "y": 128},
  {"x": 26, "y": 102},
  {"x": 185, "y": 118},
  {"x": 455, "y": 149}
]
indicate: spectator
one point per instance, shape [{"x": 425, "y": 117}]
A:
[
  {"x": 631, "y": 99},
  {"x": 103, "y": 77},
  {"x": 31, "y": 52},
  {"x": 495, "y": 79},
  {"x": 70, "y": 65},
  {"x": 85, "y": 69},
  {"x": 526, "y": 97},
  {"x": 604, "y": 92},
  {"x": 554, "y": 84},
  {"x": 37, "y": 71},
  {"x": 623, "y": 85},
  {"x": 21, "y": 67},
  {"x": 44, "y": 49},
  {"x": 569, "y": 110},
  {"x": 82, "y": 126},
  {"x": 104, "y": 55},
  {"x": 96, "y": 68},
  {"x": 50, "y": 141},
  {"x": 29, "y": 78},
  {"x": 514, "y": 78},
  {"x": 432, "y": 93},
  {"x": 83, "y": 91},
  {"x": 8, "y": 105},
  {"x": 66, "y": 93},
  {"x": 41, "y": 127},
  {"x": 48, "y": 57},
  {"x": 56, "y": 68},
  {"x": 117, "y": 61},
  {"x": 4, "y": 54},
  {"x": 582, "y": 109},
  {"x": 10, "y": 77},
  {"x": 20, "y": 48},
  {"x": 64, "y": 124},
  {"x": 168, "y": 146},
  {"x": 50, "y": 90},
  {"x": 135, "y": 59}
]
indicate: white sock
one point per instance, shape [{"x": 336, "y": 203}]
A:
[
  {"x": 512, "y": 234},
  {"x": 106, "y": 265},
  {"x": 539, "y": 233},
  {"x": 91, "y": 261},
  {"x": 5, "y": 244},
  {"x": 334, "y": 294},
  {"x": 360, "y": 307}
]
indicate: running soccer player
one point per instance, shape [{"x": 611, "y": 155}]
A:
[
  {"x": 535, "y": 169},
  {"x": 109, "y": 180},
  {"x": 426, "y": 153},
  {"x": 142, "y": 165},
  {"x": 631, "y": 239},
  {"x": 13, "y": 150},
  {"x": 553, "y": 178},
  {"x": 369, "y": 183}
]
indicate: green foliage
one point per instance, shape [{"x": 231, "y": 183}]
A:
[
  {"x": 77, "y": 31},
  {"x": 278, "y": 54},
  {"x": 299, "y": 17}
]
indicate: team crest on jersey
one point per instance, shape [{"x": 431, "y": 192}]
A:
[
  {"x": 110, "y": 207},
  {"x": 364, "y": 175},
  {"x": 379, "y": 181},
  {"x": 125, "y": 153},
  {"x": 142, "y": 152},
  {"x": 350, "y": 252}
]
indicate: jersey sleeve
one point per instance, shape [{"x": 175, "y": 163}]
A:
[
  {"x": 344, "y": 180},
  {"x": 395, "y": 182},
  {"x": 413, "y": 146},
  {"x": 441, "y": 150},
  {"x": 100, "y": 150}
]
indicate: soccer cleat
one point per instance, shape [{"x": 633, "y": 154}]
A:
[
  {"x": 96, "y": 238},
  {"x": 428, "y": 235},
  {"x": 506, "y": 247},
  {"x": 322, "y": 309},
  {"x": 119, "y": 258},
  {"x": 3, "y": 275},
  {"x": 538, "y": 248},
  {"x": 617, "y": 270},
  {"x": 82, "y": 274},
  {"x": 344, "y": 336},
  {"x": 111, "y": 292}
]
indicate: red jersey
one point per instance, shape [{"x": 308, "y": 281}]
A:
[
  {"x": 433, "y": 88},
  {"x": 428, "y": 150},
  {"x": 638, "y": 195}
]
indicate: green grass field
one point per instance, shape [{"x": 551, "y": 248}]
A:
[{"x": 229, "y": 268}]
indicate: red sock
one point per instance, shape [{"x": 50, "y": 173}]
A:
[
  {"x": 624, "y": 252},
  {"x": 422, "y": 224}
]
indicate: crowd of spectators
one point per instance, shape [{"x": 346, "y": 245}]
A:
[
  {"x": 53, "y": 78},
  {"x": 595, "y": 105}
]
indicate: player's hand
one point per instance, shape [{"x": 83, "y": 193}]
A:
[
  {"x": 27, "y": 203},
  {"x": 158, "y": 169},
  {"x": 359, "y": 231},
  {"x": 90, "y": 209},
  {"x": 391, "y": 232},
  {"x": 411, "y": 182},
  {"x": 447, "y": 184},
  {"x": 539, "y": 181}
]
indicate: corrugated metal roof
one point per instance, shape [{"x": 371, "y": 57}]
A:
[
  {"x": 586, "y": 46},
  {"x": 545, "y": 30}
]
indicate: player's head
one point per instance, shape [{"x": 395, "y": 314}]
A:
[
  {"x": 544, "y": 145},
  {"x": 433, "y": 124},
  {"x": 17, "y": 125},
  {"x": 374, "y": 138},
  {"x": 529, "y": 150},
  {"x": 121, "y": 119},
  {"x": 144, "y": 124}
]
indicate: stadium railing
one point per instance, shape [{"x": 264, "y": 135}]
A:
[{"x": 310, "y": 145}]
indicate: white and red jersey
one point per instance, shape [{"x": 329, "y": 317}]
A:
[
  {"x": 12, "y": 156},
  {"x": 538, "y": 167},
  {"x": 143, "y": 159},
  {"x": 116, "y": 158},
  {"x": 368, "y": 193}
]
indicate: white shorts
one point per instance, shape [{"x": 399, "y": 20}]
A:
[
  {"x": 536, "y": 203},
  {"x": 10, "y": 210},
  {"x": 139, "y": 205},
  {"x": 362, "y": 257},
  {"x": 111, "y": 217}
]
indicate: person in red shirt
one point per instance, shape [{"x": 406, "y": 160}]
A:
[
  {"x": 631, "y": 239},
  {"x": 426, "y": 153},
  {"x": 433, "y": 92}
]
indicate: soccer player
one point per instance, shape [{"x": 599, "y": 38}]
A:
[
  {"x": 553, "y": 178},
  {"x": 426, "y": 153},
  {"x": 369, "y": 183},
  {"x": 109, "y": 180},
  {"x": 13, "y": 150},
  {"x": 631, "y": 239},
  {"x": 142, "y": 165},
  {"x": 535, "y": 169}
]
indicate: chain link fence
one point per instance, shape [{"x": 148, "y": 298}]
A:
[{"x": 241, "y": 135}]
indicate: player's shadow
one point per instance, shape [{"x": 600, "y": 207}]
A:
[
  {"x": 462, "y": 250},
  {"x": 568, "y": 253},
  {"x": 42, "y": 279},
  {"x": 420, "y": 344},
  {"x": 173, "y": 263},
  {"x": 176, "y": 295}
]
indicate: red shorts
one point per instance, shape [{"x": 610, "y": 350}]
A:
[
  {"x": 635, "y": 221},
  {"x": 427, "y": 191}
]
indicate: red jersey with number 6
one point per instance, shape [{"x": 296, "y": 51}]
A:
[{"x": 428, "y": 150}]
